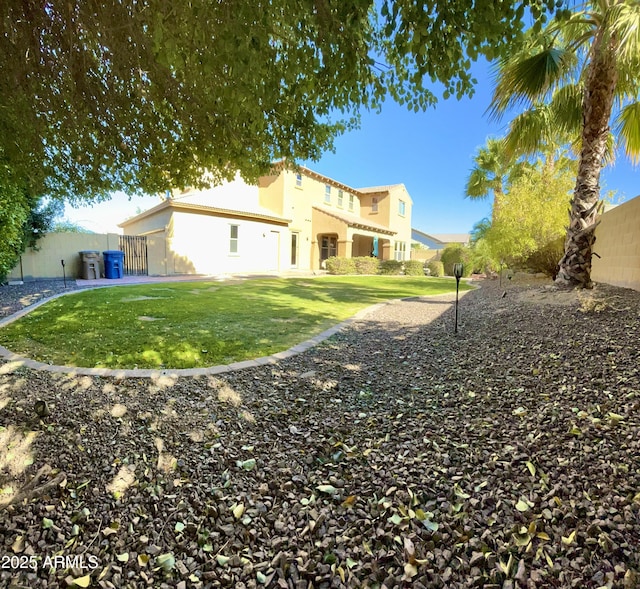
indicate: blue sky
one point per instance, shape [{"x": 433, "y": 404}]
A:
[{"x": 430, "y": 152}]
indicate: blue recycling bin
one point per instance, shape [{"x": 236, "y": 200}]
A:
[{"x": 113, "y": 264}]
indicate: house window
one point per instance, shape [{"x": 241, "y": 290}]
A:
[
  {"x": 400, "y": 249},
  {"x": 340, "y": 198},
  {"x": 299, "y": 180},
  {"x": 374, "y": 204},
  {"x": 351, "y": 202},
  {"x": 328, "y": 247},
  {"x": 401, "y": 208},
  {"x": 327, "y": 194},
  {"x": 233, "y": 239},
  {"x": 294, "y": 250}
]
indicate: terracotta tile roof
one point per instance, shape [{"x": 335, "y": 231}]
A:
[{"x": 355, "y": 221}]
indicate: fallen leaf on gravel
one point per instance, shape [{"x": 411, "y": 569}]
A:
[
  {"x": 247, "y": 464},
  {"x": 166, "y": 562},
  {"x": 82, "y": 581},
  {"x": 328, "y": 489}
]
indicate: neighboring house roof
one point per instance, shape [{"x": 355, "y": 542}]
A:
[
  {"x": 439, "y": 239},
  {"x": 355, "y": 221},
  {"x": 452, "y": 237},
  {"x": 257, "y": 215}
]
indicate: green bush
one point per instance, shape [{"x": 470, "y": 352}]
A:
[
  {"x": 391, "y": 267},
  {"x": 456, "y": 254},
  {"x": 547, "y": 258},
  {"x": 366, "y": 265},
  {"x": 435, "y": 268},
  {"x": 414, "y": 268},
  {"x": 337, "y": 265}
]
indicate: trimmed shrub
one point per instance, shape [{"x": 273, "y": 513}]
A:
[
  {"x": 390, "y": 267},
  {"x": 456, "y": 254},
  {"x": 547, "y": 258},
  {"x": 366, "y": 265},
  {"x": 337, "y": 265},
  {"x": 436, "y": 268},
  {"x": 414, "y": 268}
]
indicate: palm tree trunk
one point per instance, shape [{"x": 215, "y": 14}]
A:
[{"x": 601, "y": 77}]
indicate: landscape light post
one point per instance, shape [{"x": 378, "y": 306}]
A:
[
  {"x": 458, "y": 269},
  {"x": 64, "y": 275}
]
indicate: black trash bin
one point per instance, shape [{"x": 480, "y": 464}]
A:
[
  {"x": 90, "y": 264},
  {"x": 113, "y": 264}
]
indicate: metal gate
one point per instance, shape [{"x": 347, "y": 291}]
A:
[{"x": 135, "y": 255}]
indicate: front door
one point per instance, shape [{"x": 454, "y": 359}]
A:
[{"x": 294, "y": 250}]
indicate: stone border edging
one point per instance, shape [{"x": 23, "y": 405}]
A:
[{"x": 16, "y": 361}]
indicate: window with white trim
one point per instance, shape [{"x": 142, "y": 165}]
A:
[
  {"x": 351, "y": 202},
  {"x": 327, "y": 194},
  {"x": 233, "y": 239},
  {"x": 299, "y": 180},
  {"x": 328, "y": 247},
  {"x": 374, "y": 204},
  {"x": 340, "y": 198},
  {"x": 400, "y": 250},
  {"x": 402, "y": 208}
]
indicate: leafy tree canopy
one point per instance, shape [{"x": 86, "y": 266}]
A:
[
  {"x": 148, "y": 95},
  {"x": 534, "y": 211},
  {"x": 23, "y": 220}
]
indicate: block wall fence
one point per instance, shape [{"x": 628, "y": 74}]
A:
[{"x": 618, "y": 245}]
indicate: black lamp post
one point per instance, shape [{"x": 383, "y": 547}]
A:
[{"x": 458, "y": 269}]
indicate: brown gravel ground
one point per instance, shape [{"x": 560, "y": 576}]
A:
[
  {"x": 395, "y": 454},
  {"x": 15, "y": 297}
]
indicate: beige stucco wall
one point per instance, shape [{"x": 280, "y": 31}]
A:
[
  {"x": 400, "y": 224},
  {"x": 423, "y": 255},
  {"x": 155, "y": 222},
  {"x": 280, "y": 194},
  {"x": 618, "y": 245},
  {"x": 157, "y": 255},
  {"x": 236, "y": 195},
  {"x": 199, "y": 244},
  {"x": 44, "y": 261}
]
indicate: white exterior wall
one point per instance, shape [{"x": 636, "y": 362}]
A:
[
  {"x": 236, "y": 195},
  {"x": 200, "y": 244}
]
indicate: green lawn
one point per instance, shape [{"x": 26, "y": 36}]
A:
[{"x": 197, "y": 324}]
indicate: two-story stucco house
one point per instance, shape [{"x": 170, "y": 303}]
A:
[{"x": 290, "y": 220}]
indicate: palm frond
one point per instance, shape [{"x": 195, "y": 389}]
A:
[
  {"x": 528, "y": 132},
  {"x": 628, "y": 129},
  {"x": 522, "y": 81},
  {"x": 610, "y": 150},
  {"x": 566, "y": 106},
  {"x": 628, "y": 84},
  {"x": 577, "y": 31},
  {"x": 623, "y": 24},
  {"x": 478, "y": 185}
]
